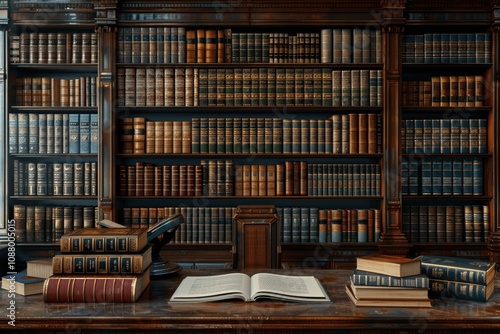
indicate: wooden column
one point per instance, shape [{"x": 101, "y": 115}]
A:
[
  {"x": 392, "y": 239},
  {"x": 106, "y": 11},
  {"x": 494, "y": 239},
  {"x": 4, "y": 61}
]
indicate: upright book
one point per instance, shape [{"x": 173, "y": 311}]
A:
[
  {"x": 250, "y": 288},
  {"x": 389, "y": 265}
]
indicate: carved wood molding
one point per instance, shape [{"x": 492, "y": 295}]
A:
[
  {"x": 105, "y": 11},
  {"x": 449, "y": 5},
  {"x": 346, "y": 4}
]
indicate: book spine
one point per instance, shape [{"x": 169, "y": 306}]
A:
[
  {"x": 371, "y": 279},
  {"x": 118, "y": 244},
  {"x": 453, "y": 273},
  {"x": 98, "y": 264},
  {"x": 459, "y": 290},
  {"x": 86, "y": 289}
]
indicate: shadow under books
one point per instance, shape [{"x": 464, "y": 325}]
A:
[{"x": 159, "y": 235}]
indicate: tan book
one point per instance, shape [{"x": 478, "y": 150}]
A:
[
  {"x": 191, "y": 52},
  {"x": 388, "y": 292},
  {"x": 168, "y": 128},
  {"x": 436, "y": 91},
  {"x": 374, "y": 302},
  {"x": 444, "y": 82},
  {"x": 39, "y": 268},
  {"x": 363, "y": 133},
  {"x": 200, "y": 46},
  {"x": 389, "y": 265}
]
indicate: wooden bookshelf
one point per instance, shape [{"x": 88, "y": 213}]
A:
[{"x": 162, "y": 69}]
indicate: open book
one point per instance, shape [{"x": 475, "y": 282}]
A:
[{"x": 242, "y": 286}]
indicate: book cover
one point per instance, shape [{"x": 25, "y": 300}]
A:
[
  {"x": 95, "y": 288},
  {"x": 460, "y": 290},
  {"x": 458, "y": 269},
  {"x": 388, "y": 292},
  {"x": 374, "y": 302},
  {"x": 22, "y": 284},
  {"x": 389, "y": 265}
]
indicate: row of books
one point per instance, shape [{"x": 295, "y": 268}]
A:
[
  {"x": 54, "y": 179},
  {"x": 339, "y": 134},
  {"x": 451, "y": 135},
  {"x": 225, "y": 178},
  {"x": 40, "y": 133},
  {"x": 302, "y": 225},
  {"x": 443, "y": 176},
  {"x": 445, "y": 91},
  {"x": 187, "y": 86},
  {"x": 171, "y": 45},
  {"x": 56, "y": 92},
  {"x": 42, "y": 223},
  {"x": 447, "y": 48},
  {"x": 446, "y": 223},
  {"x": 297, "y": 224},
  {"x": 53, "y": 48}
]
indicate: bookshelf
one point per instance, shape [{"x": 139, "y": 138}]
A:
[
  {"x": 201, "y": 107},
  {"x": 51, "y": 123}
]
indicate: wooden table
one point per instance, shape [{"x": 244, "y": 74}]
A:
[{"x": 153, "y": 313}]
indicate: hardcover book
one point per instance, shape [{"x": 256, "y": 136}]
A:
[
  {"x": 461, "y": 290},
  {"x": 377, "y": 302},
  {"x": 388, "y": 292},
  {"x": 41, "y": 268},
  {"x": 111, "y": 240},
  {"x": 361, "y": 277},
  {"x": 458, "y": 269},
  {"x": 23, "y": 284},
  {"x": 389, "y": 265},
  {"x": 95, "y": 288}
]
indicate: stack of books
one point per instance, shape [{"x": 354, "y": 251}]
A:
[
  {"x": 28, "y": 281},
  {"x": 461, "y": 278},
  {"x": 388, "y": 281},
  {"x": 100, "y": 265}
]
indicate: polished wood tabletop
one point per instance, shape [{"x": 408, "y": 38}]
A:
[{"x": 153, "y": 312}]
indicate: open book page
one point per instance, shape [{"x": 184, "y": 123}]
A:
[
  {"x": 213, "y": 288},
  {"x": 284, "y": 287}
]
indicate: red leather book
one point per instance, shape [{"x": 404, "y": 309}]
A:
[{"x": 95, "y": 289}]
